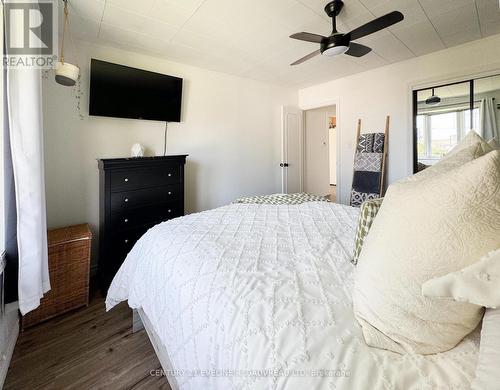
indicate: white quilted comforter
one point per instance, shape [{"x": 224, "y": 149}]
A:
[{"x": 262, "y": 293}]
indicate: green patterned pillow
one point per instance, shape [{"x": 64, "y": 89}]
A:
[
  {"x": 298, "y": 198},
  {"x": 368, "y": 211}
]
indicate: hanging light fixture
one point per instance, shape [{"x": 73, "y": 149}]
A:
[
  {"x": 66, "y": 73},
  {"x": 433, "y": 100}
]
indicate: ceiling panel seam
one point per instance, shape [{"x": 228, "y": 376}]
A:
[
  {"x": 394, "y": 35},
  {"x": 432, "y": 24},
  {"x": 186, "y": 21},
  {"x": 479, "y": 19}
]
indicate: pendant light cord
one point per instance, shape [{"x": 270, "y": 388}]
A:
[
  {"x": 64, "y": 29},
  {"x": 67, "y": 29}
]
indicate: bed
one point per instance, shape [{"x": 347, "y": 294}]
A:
[{"x": 258, "y": 296}]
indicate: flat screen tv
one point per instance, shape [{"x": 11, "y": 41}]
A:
[{"x": 123, "y": 92}]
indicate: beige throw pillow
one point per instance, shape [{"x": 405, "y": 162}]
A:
[
  {"x": 425, "y": 229},
  {"x": 472, "y": 138},
  {"x": 449, "y": 163},
  {"x": 494, "y": 144}
]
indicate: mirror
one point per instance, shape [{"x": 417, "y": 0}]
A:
[{"x": 444, "y": 114}]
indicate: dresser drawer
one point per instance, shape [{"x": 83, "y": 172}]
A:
[
  {"x": 131, "y": 179},
  {"x": 127, "y": 219},
  {"x": 119, "y": 245},
  {"x": 127, "y": 200},
  {"x": 122, "y": 242}
]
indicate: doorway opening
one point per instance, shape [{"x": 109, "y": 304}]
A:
[{"x": 320, "y": 157}]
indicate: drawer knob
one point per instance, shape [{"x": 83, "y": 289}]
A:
[
  {"x": 169, "y": 210},
  {"x": 125, "y": 220},
  {"x": 170, "y": 192},
  {"x": 126, "y": 200},
  {"x": 169, "y": 174},
  {"x": 126, "y": 241},
  {"x": 126, "y": 179}
]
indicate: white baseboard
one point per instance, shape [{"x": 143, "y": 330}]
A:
[{"x": 9, "y": 329}]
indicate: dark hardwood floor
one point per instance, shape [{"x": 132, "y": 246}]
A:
[{"x": 85, "y": 349}]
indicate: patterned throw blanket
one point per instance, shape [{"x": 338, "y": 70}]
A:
[
  {"x": 298, "y": 198},
  {"x": 367, "y": 168}
]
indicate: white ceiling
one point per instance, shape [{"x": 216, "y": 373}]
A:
[{"x": 250, "y": 38}]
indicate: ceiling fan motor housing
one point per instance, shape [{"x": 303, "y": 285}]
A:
[
  {"x": 334, "y": 7},
  {"x": 336, "y": 40}
]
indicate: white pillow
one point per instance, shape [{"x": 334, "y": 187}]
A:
[
  {"x": 494, "y": 144},
  {"x": 472, "y": 138},
  {"x": 478, "y": 283},
  {"x": 425, "y": 229},
  {"x": 487, "y": 369}
]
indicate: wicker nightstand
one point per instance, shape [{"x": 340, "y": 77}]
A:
[{"x": 69, "y": 265}]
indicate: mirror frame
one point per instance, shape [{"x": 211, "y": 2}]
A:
[{"x": 415, "y": 110}]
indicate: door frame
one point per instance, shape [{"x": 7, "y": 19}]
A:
[
  {"x": 338, "y": 134},
  {"x": 284, "y": 147}
]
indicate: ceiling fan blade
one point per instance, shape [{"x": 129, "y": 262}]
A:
[
  {"x": 376, "y": 25},
  {"x": 308, "y": 37},
  {"x": 357, "y": 50},
  {"x": 307, "y": 57}
]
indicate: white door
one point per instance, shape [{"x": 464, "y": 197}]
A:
[{"x": 292, "y": 150}]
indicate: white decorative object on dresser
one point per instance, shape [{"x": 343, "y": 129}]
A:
[{"x": 137, "y": 150}]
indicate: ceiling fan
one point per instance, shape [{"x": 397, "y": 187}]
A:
[
  {"x": 339, "y": 43},
  {"x": 433, "y": 100}
]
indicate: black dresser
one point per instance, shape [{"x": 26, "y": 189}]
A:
[{"x": 134, "y": 195}]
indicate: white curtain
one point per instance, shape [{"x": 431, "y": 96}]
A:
[
  {"x": 26, "y": 138},
  {"x": 488, "y": 119}
]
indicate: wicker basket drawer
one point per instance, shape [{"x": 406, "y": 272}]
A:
[{"x": 69, "y": 265}]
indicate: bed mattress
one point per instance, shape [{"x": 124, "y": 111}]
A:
[{"x": 258, "y": 296}]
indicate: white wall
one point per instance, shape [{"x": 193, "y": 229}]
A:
[
  {"x": 386, "y": 91},
  {"x": 230, "y": 128}
]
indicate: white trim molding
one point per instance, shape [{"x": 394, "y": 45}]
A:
[{"x": 327, "y": 103}]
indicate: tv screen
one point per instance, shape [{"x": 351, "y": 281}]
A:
[{"x": 123, "y": 92}]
